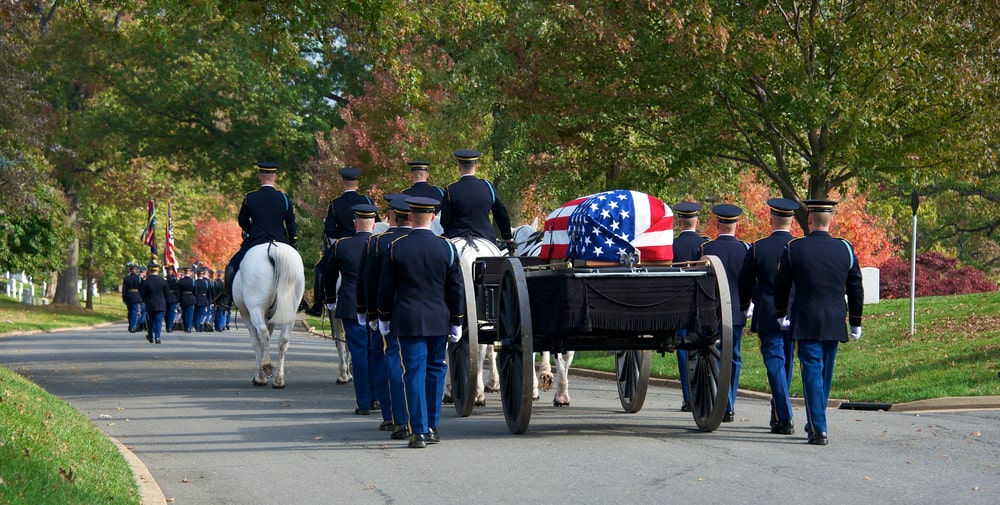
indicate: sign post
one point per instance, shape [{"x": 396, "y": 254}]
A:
[{"x": 914, "y": 203}]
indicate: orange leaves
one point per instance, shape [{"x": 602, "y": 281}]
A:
[{"x": 215, "y": 241}]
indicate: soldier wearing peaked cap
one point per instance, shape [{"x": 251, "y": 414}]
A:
[
  {"x": 468, "y": 203},
  {"x": 338, "y": 224},
  {"x": 733, "y": 253},
  {"x": 265, "y": 215},
  {"x": 687, "y": 247},
  {"x": 185, "y": 287},
  {"x": 173, "y": 301},
  {"x": 131, "y": 297},
  {"x": 421, "y": 303},
  {"x": 154, "y": 293},
  {"x": 419, "y": 173},
  {"x": 821, "y": 269},
  {"x": 345, "y": 261},
  {"x": 757, "y": 285}
]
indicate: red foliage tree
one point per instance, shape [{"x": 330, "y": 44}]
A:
[
  {"x": 215, "y": 241},
  {"x": 937, "y": 275}
]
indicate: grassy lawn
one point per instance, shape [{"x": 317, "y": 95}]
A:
[
  {"x": 18, "y": 317},
  {"x": 955, "y": 351},
  {"x": 50, "y": 453}
]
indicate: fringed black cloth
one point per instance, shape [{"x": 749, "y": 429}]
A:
[{"x": 565, "y": 304}]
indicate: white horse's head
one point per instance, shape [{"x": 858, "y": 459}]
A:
[{"x": 527, "y": 239}]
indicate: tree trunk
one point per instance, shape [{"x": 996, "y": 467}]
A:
[{"x": 66, "y": 292}]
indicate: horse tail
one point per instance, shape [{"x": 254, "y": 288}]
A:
[{"x": 287, "y": 288}]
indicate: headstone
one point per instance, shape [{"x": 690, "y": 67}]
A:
[{"x": 870, "y": 276}]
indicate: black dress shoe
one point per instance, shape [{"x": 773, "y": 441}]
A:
[
  {"x": 783, "y": 427},
  {"x": 686, "y": 407},
  {"x": 400, "y": 432},
  {"x": 729, "y": 417},
  {"x": 418, "y": 441},
  {"x": 432, "y": 435},
  {"x": 157, "y": 341},
  {"x": 818, "y": 438},
  {"x": 361, "y": 412},
  {"x": 386, "y": 426},
  {"x": 314, "y": 311}
]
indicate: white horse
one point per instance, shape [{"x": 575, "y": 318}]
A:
[
  {"x": 528, "y": 242},
  {"x": 470, "y": 248},
  {"x": 267, "y": 290}
]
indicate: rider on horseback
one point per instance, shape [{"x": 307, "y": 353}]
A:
[
  {"x": 265, "y": 215},
  {"x": 468, "y": 203}
]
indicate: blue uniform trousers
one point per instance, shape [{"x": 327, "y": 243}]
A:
[
  {"x": 220, "y": 318},
  {"x": 134, "y": 316},
  {"x": 777, "y": 352},
  {"x": 424, "y": 372},
  {"x": 816, "y": 358},
  {"x": 357, "y": 343},
  {"x": 200, "y": 315},
  {"x": 187, "y": 317},
  {"x": 379, "y": 374},
  {"x": 170, "y": 316},
  {"x": 734, "y": 384},
  {"x": 394, "y": 374},
  {"x": 155, "y": 322}
]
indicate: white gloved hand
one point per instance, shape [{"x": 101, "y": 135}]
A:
[
  {"x": 331, "y": 307},
  {"x": 373, "y": 324},
  {"x": 383, "y": 327},
  {"x": 362, "y": 318},
  {"x": 749, "y": 313},
  {"x": 784, "y": 323},
  {"x": 855, "y": 333},
  {"x": 455, "y": 335}
]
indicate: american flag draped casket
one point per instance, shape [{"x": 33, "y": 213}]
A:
[{"x": 605, "y": 226}]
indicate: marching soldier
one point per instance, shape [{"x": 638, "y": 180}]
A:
[
  {"x": 173, "y": 298},
  {"x": 339, "y": 223},
  {"x": 733, "y": 254},
  {"x": 687, "y": 247},
  {"x": 185, "y": 287},
  {"x": 154, "y": 293},
  {"x": 822, "y": 269},
  {"x": 202, "y": 286},
  {"x": 421, "y": 303},
  {"x": 131, "y": 297},
  {"x": 468, "y": 203},
  {"x": 265, "y": 214},
  {"x": 221, "y": 313}
]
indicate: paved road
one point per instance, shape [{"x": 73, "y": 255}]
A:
[{"x": 186, "y": 408}]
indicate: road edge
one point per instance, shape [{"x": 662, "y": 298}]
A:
[{"x": 149, "y": 491}]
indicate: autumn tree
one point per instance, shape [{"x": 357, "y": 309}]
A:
[{"x": 215, "y": 241}]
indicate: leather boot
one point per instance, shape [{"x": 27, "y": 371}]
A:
[
  {"x": 317, "y": 307},
  {"x": 225, "y": 298}
]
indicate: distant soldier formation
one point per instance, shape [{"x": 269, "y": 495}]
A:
[{"x": 401, "y": 298}]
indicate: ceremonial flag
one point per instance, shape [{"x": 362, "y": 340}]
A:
[
  {"x": 149, "y": 234},
  {"x": 169, "y": 258},
  {"x": 605, "y": 226}
]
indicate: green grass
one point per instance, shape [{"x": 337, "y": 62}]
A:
[
  {"x": 19, "y": 317},
  {"x": 955, "y": 351},
  {"x": 52, "y": 454}
]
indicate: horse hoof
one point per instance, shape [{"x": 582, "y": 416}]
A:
[
  {"x": 342, "y": 381},
  {"x": 480, "y": 403},
  {"x": 257, "y": 384},
  {"x": 557, "y": 403},
  {"x": 492, "y": 389},
  {"x": 447, "y": 400},
  {"x": 275, "y": 386}
]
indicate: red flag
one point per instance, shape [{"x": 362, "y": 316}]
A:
[
  {"x": 149, "y": 233},
  {"x": 169, "y": 258}
]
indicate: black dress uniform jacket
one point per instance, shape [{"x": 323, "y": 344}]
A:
[
  {"x": 339, "y": 222},
  {"x": 201, "y": 288},
  {"x": 822, "y": 269},
  {"x": 733, "y": 254},
  {"x": 346, "y": 260},
  {"x": 425, "y": 189},
  {"x": 185, "y": 287},
  {"x": 420, "y": 288},
  {"x": 466, "y": 208},
  {"x": 259, "y": 219},
  {"x": 130, "y": 289},
  {"x": 687, "y": 246},
  {"x": 173, "y": 289},
  {"x": 154, "y": 293},
  {"x": 376, "y": 256},
  {"x": 758, "y": 279}
]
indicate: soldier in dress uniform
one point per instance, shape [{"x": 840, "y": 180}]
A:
[
  {"x": 687, "y": 247},
  {"x": 339, "y": 223},
  {"x": 265, "y": 215},
  {"x": 221, "y": 313},
  {"x": 173, "y": 298},
  {"x": 421, "y": 303},
  {"x": 821, "y": 268},
  {"x": 154, "y": 293},
  {"x": 468, "y": 203},
  {"x": 345, "y": 261},
  {"x": 202, "y": 286},
  {"x": 142, "y": 306},
  {"x": 131, "y": 297},
  {"x": 733, "y": 254},
  {"x": 387, "y": 370},
  {"x": 757, "y": 285},
  {"x": 419, "y": 173},
  {"x": 185, "y": 287}
]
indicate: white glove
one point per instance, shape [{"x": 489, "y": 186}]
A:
[
  {"x": 749, "y": 313},
  {"x": 455, "y": 335},
  {"x": 784, "y": 323},
  {"x": 373, "y": 324},
  {"x": 362, "y": 318},
  {"x": 331, "y": 307},
  {"x": 383, "y": 327},
  {"x": 855, "y": 333}
]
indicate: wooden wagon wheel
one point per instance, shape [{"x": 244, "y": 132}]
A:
[
  {"x": 462, "y": 355},
  {"x": 713, "y": 364},
  {"x": 514, "y": 356},
  {"x": 632, "y": 369}
]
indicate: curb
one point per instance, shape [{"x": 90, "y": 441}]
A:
[{"x": 149, "y": 491}]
